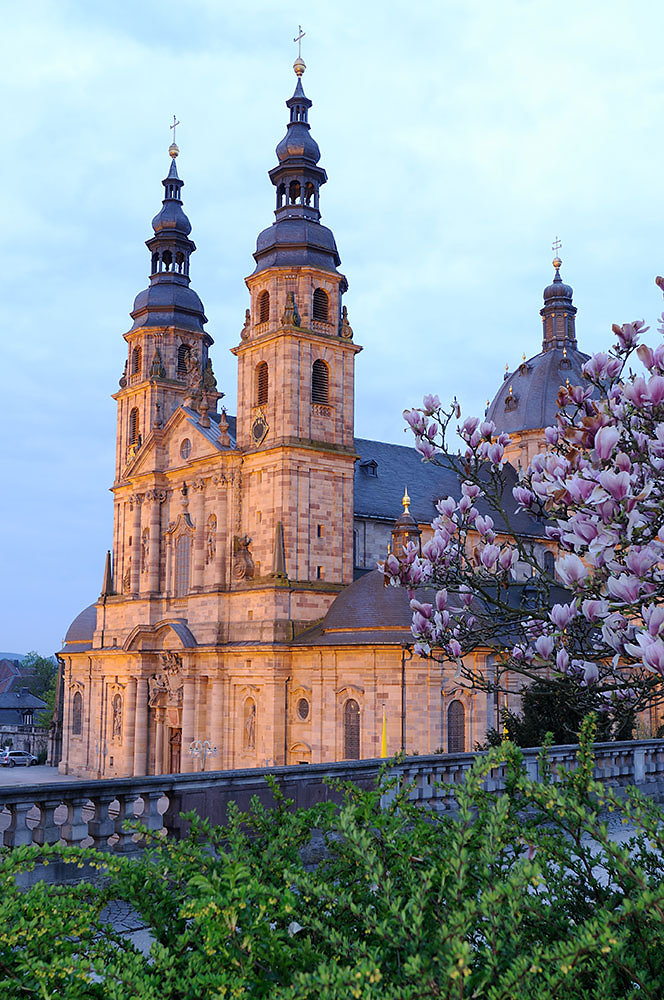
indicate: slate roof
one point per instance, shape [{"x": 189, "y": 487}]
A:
[
  {"x": 13, "y": 705},
  {"x": 212, "y": 432},
  {"x": 398, "y": 466}
]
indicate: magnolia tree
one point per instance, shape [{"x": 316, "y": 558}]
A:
[{"x": 597, "y": 491}]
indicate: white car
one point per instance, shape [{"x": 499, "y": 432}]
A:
[{"x": 17, "y": 758}]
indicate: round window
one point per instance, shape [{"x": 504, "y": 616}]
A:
[
  {"x": 303, "y": 708},
  {"x": 185, "y": 448}
]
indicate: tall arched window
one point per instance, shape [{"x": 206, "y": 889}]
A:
[
  {"x": 321, "y": 305},
  {"x": 351, "y": 730},
  {"x": 456, "y": 728},
  {"x": 262, "y": 384},
  {"x": 184, "y": 353},
  {"x": 549, "y": 563},
  {"x": 182, "y": 563},
  {"x": 294, "y": 192},
  {"x": 320, "y": 382},
  {"x": 136, "y": 358},
  {"x": 134, "y": 429},
  {"x": 77, "y": 714},
  {"x": 263, "y": 307}
]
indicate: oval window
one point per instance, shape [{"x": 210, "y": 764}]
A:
[
  {"x": 185, "y": 448},
  {"x": 303, "y": 708}
]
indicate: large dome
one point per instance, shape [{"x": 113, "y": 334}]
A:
[
  {"x": 80, "y": 632},
  {"x": 527, "y": 398}
]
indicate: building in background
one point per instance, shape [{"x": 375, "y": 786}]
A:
[{"x": 241, "y": 603}]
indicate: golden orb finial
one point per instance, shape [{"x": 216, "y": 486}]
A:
[
  {"x": 299, "y": 66},
  {"x": 406, "y": 501},
  {"x": 557, "y": 262},
  {"x": 173, "y": 150}
]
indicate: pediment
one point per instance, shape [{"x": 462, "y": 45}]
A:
[{"x": 179, "y": 443}]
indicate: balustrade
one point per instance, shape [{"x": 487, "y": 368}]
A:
[{"x": 96, "y": 812}]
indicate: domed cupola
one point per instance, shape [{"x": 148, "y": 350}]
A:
[
  {"x": 297, "y": 238},
  {"x": 169, "y": 301},
  {"x": 526, "y": 401}
]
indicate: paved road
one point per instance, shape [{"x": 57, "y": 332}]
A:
[{"x": 40, "y": 774}]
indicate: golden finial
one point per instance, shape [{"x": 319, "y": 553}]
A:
[
  {"x": 507, "y": 367},
  {"x": 567, "y": 382},
  {"x": 510, "y": 392},
  {"x": 299, "y": 65},
  {"x": 556, "y": 246},
  {"x": 173, "y": 148},
  {"x": 524, "y": 355},
  {"x": 564, "y": 352},
  {"x": 406, "y": 501}
]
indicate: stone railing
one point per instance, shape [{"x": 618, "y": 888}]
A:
[{"x": 93, "y": 813}]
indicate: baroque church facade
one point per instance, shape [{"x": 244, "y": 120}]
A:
[{"x": 241, "y": 603}]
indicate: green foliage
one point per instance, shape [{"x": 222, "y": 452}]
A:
[
  {"x": 42, "y": 680},
  {"x": 558, "y": 705},
  {"x": 519, "y": 895}
]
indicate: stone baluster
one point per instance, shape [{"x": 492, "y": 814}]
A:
[
  {"x": 199, "y": 538},
  {"x": 18, "y": 833},
  {"x": 121, "y": 815},
  {"x": 75, "y": 827},
  {"x": 47, "y": 830},
  {"x": 151, "y": 817},
  {"x": 102, "y": 824},
  {"x": 141, "y": 727},
  {"x": 136, "y": 544}
]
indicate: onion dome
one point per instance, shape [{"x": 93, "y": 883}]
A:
[
  {"x": 169, "y": 301},
  {"x": 297, "y": 238},
  {"x": 527, "y": 398}
]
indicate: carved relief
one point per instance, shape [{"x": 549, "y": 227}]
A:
[
  {"x": 126, "y": 580},
  {"x": 145, "y": 549},
  {"x": 243, "y": 563},
  {"x": 166, "y": 685}
]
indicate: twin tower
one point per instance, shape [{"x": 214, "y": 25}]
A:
[{"x": 231, "y": 534}]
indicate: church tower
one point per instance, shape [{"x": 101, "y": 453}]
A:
[
  {"x": 296, "y": 386},
  {"x": 167, "y": 356}
]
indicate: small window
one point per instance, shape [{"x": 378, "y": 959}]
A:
[
  {"x": 184, "y": 353},
  {"x": 321, "y": 305},
  {"x": 319, "y": 572},
  {"x": 262, "y": 384},
  {"x": 136, "y": 358},
  {"x": 351, "y": 730},
  {"x": 320, "y": 382},
  {"x": 294, "y": 192},
  {"x": 303, "y": 708},
  {"x": 264, "y": 307},
  {"x": 77, "y": 714},
  {"x": 182, "y": 564},
  {"x": 320, "y": 531},
  {"x": 549, "y": 563},
  {"x": 456, "y": 728},
  {"x": 185, "y": 448},
  {"x": 134, "y": 429}
]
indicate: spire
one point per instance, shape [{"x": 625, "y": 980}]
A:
[
  {"x": 296, "y": 237},
  {"x": 405, "y": 529},
  {"x": 169, "y": 301},
  {"x": 558, "y": 311},
  {"x": 107, "y": 585}
]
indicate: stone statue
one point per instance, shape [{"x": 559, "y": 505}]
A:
[
  {"x": 117, "y": 718},
  {"x": 244, "y": 332},
  {"x": 145, "y": 549},
  {"x": 211, "y": 540},
  {"x": 346, "y": 330},
  {"x": 126, "y": 579},
  {"x": 243, "y": 563},
  {"x": 250, "y": 728}
]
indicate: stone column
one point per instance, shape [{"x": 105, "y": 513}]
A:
[
  {"x": 188, "y": 735},
  {"x": 129, "y": 727},
  {"x": 153, "y": 584},
  {"x": 64, "y": 765},
  {"x": 218, "y": 570},
  {"x": 160, "y": 714},
  {"x": 216, "y": 719},
  {"x": 168, "y": 582},
  {"x": 141, "y": 727},
  {"x": 199, "y": 539},
  {"x": 136, "y": 545}
]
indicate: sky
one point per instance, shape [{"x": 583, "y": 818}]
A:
[{"x": 460, "y": 137}]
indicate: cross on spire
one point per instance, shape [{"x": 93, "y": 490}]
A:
[
  {"x": 174, "y": 126},
  {"x": 557, "y": 246},
  {"x": 298, "y": 38}
]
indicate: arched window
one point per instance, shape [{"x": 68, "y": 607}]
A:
[
  {"x": 136, "y": 358},
  {"x": 281, "y": 194},
  {"x": 351, "y": 730},
  {"x": 263, "y": 307},
  {"x": 134, "y": 429},
  {"x": 249, "y": 735},
  {"x": 167, "y": 258},
  {"x": 262, "y": 384},
  {"x": 77, "y": 714},
  {"x": 308, "y": 193},
  {"x": 184, "y": 353},
  {"x": 320, "y": 382},
  {"x": 549, "y": 563},
  {"x": 294, "y": 192},
  {"x": 456, "y": 728},
  {"x": 321, "y": 305},
  {"x": 182, "y": 561}
]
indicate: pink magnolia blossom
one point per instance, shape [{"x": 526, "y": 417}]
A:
[
  {"x": 571, "y": 570},
  {"x": 562, "y": 660},
  {"x": 489, "y": 556},
  {"x": 431, "y": 404},
  {"x": 617, "y": 484},
  {"x": 625, "y": 588},
  {"x": 544, "y": 646},
  {"x": 605, "y": 441},
  {"x": 562, "y": 614},
  {"x": 593, "y": 610}
]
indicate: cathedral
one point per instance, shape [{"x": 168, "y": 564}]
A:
[{"x": 241, "y": 603}]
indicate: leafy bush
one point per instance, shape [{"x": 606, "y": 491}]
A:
[{"x": 520, "y": 895}]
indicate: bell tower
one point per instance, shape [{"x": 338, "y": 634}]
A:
[
  {"x": 167, "y": 346},
  {"x": 296, "y": 379}
]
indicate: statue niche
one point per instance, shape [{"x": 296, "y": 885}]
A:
[{"x": 243, "y": 563}]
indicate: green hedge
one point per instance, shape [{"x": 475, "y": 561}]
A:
[{"x": 523, "y": 895}]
